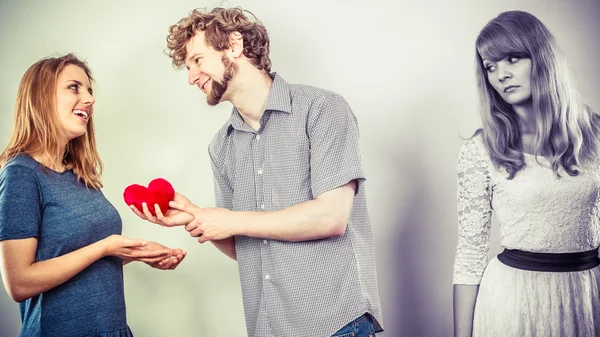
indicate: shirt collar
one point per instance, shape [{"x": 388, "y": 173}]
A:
[{"x": 279, "y": 99}]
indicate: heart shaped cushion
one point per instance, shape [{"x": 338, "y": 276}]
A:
[{"x": 159, "y": 191}]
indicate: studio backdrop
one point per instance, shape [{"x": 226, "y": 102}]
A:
[{"x": 405, "y": 67}]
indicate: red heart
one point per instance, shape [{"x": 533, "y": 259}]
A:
[{"x": 159, "y": 191}]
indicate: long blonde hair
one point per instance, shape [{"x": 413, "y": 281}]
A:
[
  {"x": 37, "y": 128},
  {"x": 566, "y": 127}
]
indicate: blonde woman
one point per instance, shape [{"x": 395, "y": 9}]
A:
[
  {"x": 534, "y": 164},
  {"x": 61, "y": 252}
]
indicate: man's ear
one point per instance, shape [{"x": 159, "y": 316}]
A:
[{"x": 236, "y": 43}]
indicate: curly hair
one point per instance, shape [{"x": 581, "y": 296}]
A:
[{"x": 218, "y": 24}]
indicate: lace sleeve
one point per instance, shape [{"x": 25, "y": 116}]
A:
[{"x": 474, "y": 214}]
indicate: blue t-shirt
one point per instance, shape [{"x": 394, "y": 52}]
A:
[{"x": 64, "y": 215}]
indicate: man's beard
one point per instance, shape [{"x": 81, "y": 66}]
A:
[{"x": 219, "y": 88}]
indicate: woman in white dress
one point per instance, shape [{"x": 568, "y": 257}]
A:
[{"x": 534, "y": 164}]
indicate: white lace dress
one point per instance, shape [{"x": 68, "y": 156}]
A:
[{"x": 536, "y": 212}]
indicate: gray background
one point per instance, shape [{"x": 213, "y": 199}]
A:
[{"x": 407, "y": 70}]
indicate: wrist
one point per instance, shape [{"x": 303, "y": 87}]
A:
[
  {"x": 103, "y": 247},
  {"x": 237, "y": 223},
  {"x": 245, "y": 221}
]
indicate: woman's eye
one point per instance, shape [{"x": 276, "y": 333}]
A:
[{"x": 74, "y": 87}]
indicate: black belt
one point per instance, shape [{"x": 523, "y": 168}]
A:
[{"x": 553, "y": 262}]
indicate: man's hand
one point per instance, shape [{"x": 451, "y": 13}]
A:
[
  {"x": 171, "y": 218},
  {"x": 209, "y": 223}
]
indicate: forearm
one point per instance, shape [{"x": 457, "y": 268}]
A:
[
  {"x": 44, "y": 275},
  {"x": 310, "y": 220},
  {"x": 226, "y": 246},
  {"x": 465, "y": 297}
]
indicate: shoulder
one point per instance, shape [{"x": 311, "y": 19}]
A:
[
  {"x": 474, "y": 153},
  {"x": 315, "y": 99},
  {"x": 321, "y": 106},
  {"x": 309, "y": 91},
  {"x": 19, "y": 178},
  {"x": 303, "y": 95},
  {"x": 22, "y": 166},
  {"x": 474, "y": 146}
]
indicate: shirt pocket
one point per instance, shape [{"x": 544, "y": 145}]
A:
[{"x": 287, "y": 176}]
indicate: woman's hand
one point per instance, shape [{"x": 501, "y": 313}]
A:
[
  {"x": 134, "y": 250},
  {"x": 168, "y": 263}
]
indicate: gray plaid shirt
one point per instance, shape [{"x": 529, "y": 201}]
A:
[{"x": 307, "y": 144}]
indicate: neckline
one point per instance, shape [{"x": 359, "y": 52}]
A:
[{"x": 63, "y": 172}]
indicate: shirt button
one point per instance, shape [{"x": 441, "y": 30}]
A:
[
  {"x": 265, "y": 242},
  {"x": 259, "y": 171},
  {"x": 267, "y": 277},
  {"x": 257, "y": 137},
  {"x": 262, "y": 206}
]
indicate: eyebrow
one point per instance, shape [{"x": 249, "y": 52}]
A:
[{"x": 90, "y": 90}]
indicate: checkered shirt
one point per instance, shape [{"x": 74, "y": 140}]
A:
[{"x": 307, "y": 144}]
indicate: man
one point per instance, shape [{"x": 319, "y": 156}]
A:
[{"x": 290, "y": 200}]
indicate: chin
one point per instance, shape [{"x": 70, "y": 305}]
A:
[
  {"x": 77, "y": 135},
  {"x": 211, "y": 102},
  {"x": 517, "y": 100},
  {"x": 524, "y": 101}
]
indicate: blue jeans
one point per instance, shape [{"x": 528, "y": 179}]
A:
[{"x": 360, "y": 327}]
